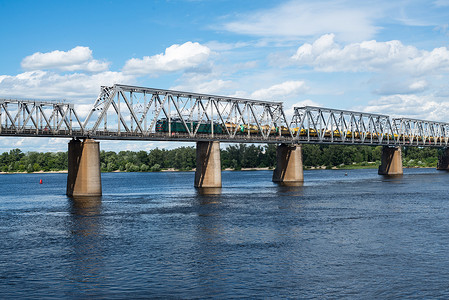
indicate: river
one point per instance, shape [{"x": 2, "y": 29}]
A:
[{"x": 349, "y": 234}]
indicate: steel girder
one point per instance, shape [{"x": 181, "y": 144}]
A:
[
  {"x": 324, "y": 125},
  {"x": 38, "y": 118},
  {"x": 415, "y": 132},
  {"x": 126, "y": 111}
]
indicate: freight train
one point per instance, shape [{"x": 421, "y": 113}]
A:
[{"x": 176, "y": 125}]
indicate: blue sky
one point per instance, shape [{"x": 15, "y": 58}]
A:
[{"x": 389, "y": 57}]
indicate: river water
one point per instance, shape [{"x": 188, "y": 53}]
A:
[{"x": 153, "y": 235}]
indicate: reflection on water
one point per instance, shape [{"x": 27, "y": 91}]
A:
[
  {"x": 292, "y": 183},
  {"x": 209, "y": 191},
  {"x": 86, "y": 241},
  {"x": 291, "y": 191},
  {"x": 392, "y": 176},
  {"x": 85, "y": 205},
  {"x": 208, "y": 236}
]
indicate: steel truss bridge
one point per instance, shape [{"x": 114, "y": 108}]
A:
[{"x": 124, "y": 112}]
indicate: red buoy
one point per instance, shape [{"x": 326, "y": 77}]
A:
[{"x": 40, "y": 181}]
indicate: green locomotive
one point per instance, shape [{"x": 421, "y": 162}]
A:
[{"x": 178, "y": 126}]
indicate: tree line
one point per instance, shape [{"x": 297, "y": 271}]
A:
[{"x": 234, "y": 157}]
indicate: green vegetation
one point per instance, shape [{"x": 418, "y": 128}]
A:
[{"x": 234, "y": 157}]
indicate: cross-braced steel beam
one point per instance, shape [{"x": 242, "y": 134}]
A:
[
  {"x": 38, "y": 118},
  {"x": 415, "y": 132},
  {"x": 324, "y": 125},
  {"x": 124, "y": 111}
]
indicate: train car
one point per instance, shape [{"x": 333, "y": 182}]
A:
[
  {"x": 252, "y": 129},
  {"x": 328, "y": 133},
  {"x": 231, "y": 127},
  {"x": 272, "y": 130},
  {"x": 284, "y": 130},
  {"x": 177, "y": 125}
]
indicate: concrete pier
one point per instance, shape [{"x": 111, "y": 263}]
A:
[
  {"x": 443, "y": 160},
  {"x": 84, "y": 174},
  {"x": 288, "y": 164},
  {"x": 208, "y": 165},
  {"x": 391, "y": 161}
]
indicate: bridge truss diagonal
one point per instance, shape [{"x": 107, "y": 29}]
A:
[
  {"x": 38, "y": 118},
  {"x": 132, "y": 112},
  {"x": 421, "y": 133},
  {"x": 333, "y": 126}
]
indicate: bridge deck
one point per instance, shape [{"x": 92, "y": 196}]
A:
[{"x": 184, "y": 137}]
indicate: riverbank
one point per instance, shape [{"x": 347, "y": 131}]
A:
[{"x": 346, "y": 167}]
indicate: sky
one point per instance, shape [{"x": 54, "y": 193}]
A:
[{"x": 388, "y": 57}]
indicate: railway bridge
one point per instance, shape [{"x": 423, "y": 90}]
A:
[{"x": 123, "y": 112}]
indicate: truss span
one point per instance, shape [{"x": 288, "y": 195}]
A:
[
  {"x": 332, "y": 126},
  {"x": 39, "y": 118},
  {"x": 129, "y": 112}
]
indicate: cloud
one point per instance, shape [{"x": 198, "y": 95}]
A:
[
  {"x": 441, "y": 3},
  {"x": 370, "y": 56},
  {"x": 219, "y": 46},
  {"x": 291, "y": 110},
  {"x": 402, "y": 86},
  {"x": 176, "y": 58},
  {"x": 76, "y": 59},
  {"x": 410, "y": 106},
  {"x": 206, "y": 87},
  {"x": 279, "y": 91},
  {"x": 50, "y": 85},
  {"x": 295, "y": 19}
]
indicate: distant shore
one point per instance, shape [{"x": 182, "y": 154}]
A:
[{"x": 227, "y": 169}]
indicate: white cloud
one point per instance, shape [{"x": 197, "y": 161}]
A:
[
  {"x": 46, "y": 85},
  {"x": 418, "y": 86},
  {"x": 176, "y": 58},
  {"x": 441, "y": 3},
  {"x": 371, "y": 56},
  {"x": 34, "y": 144},
  {"x": 76, "y": 59},
  {"x": 280, "y": 91},
  {"x": 219, "y": 46},
  {"x": 291, "y": 110},
  {"x": 410, "y": 106},
  {"x": 402, "y": 85},
  {"x": 205, "y": 87},
  {"x": 301, "y": 19}
]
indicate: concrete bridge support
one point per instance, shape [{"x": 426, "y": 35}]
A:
[
  {"x": 391, "y": 161},
  {"x": 84, "y": 176},
  {"x": 208, "y": 165},
  {"x": 443, "y": 160},
  {"x": 288, "y": 164}
]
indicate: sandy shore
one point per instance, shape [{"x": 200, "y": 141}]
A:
[{"x": 38, "y": 172}]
